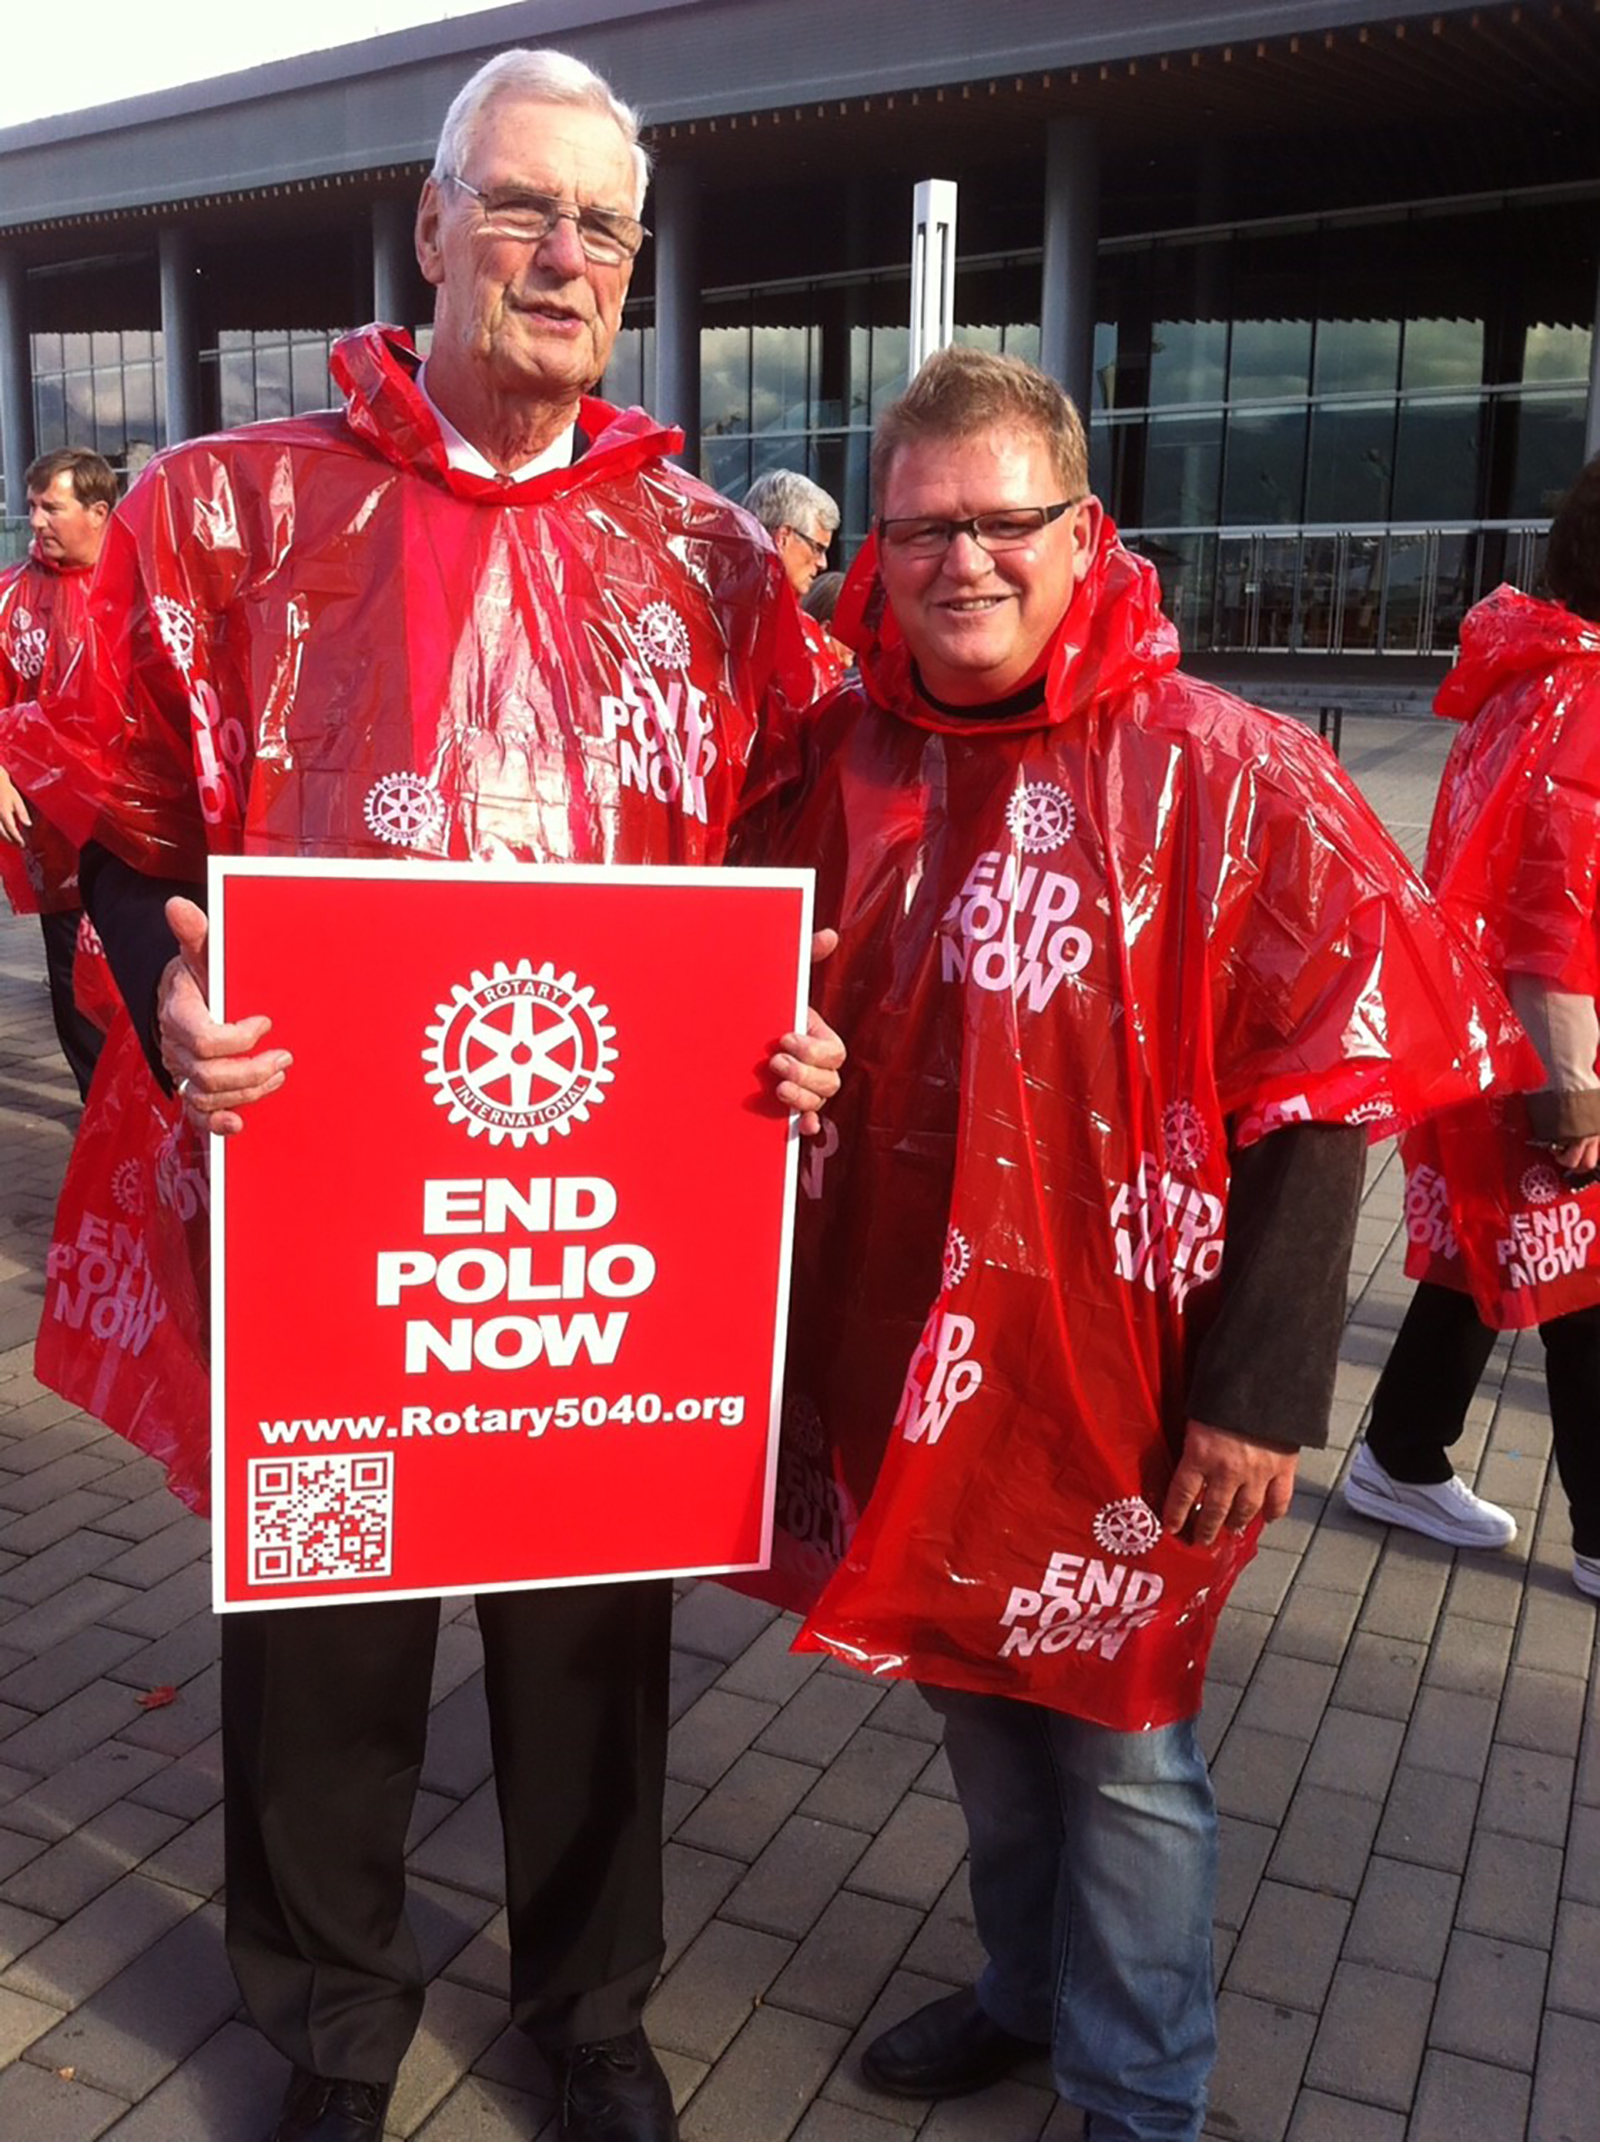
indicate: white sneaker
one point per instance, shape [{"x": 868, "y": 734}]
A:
[
  {"x": 1586, "y": 1574},
  {"x": 1448, "y": 1511}
]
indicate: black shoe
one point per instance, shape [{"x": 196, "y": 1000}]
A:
[
  {"x": 321, "y": 2108},
  {"x": 613, "y": 2091},
  {"x": 944, "y": 2050}
]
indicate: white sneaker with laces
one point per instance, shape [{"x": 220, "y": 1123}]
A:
[
  {"x": 1586, "y": 1574},
  {"x": 1447, "y": 1511}
]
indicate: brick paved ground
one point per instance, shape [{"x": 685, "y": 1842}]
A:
[{"x": 1407, "y": 1750}]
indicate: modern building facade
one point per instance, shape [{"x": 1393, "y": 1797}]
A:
[{"x": 1323, "y": 280}]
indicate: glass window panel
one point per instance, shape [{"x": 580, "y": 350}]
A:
[
  {"x": 724, "y": 379},
  {"x": 891, "y": 358},
  {"x": 1022, "y": 340},
  {"x": 860, "y": 386},
  {"x": 110, "y": 437},
  {"x": 1556, "y": 353},
  {"x": 1357, "y": 356},
  {"x": 624, "y": 380},
  {"x": 1104, "y": 364},
  {"x": 75, "y": 352},
  {"x": 1269, "y": 360},
  {"x": 1363, "y": 592},
  {"x": 272, "y": 379},
  {"x": 1235, "y": 591},
  {"x": 80, "y": 408},
  {"x": 1278, "y": 566},
  {"x": 49, "y": 414},
  {"x": 1436, "y": 471},
  {"x": 1187, "y": 565},
  {"x": 1403, "y": 597},
  {"x": 1265, "y": 466},
  {"x": 1549, "y": 452},
  {"x": 46, "y": 353},
  {"x": 1319, "y": 592},
  {"x": 136, "y": 345},
  {"x": 139, "y": 398},
  {"x": 1352, "y": 452},
  {"x": 1442, "y": 353},
  {"x": 237, "y": 338},
  {"x": 236, "y": 384},
  {"x": 309, "y": 375},
  {"x": 1454, "y": 592},
  {"x": 1182, "y": 472},
  {"x": 991, "y": 338},
  {"x": 780, "y": 366},
  {"x": 1188, "y": 361},
  {"x": 725, "y": 465},
  {"x": 105, "y": 350}
]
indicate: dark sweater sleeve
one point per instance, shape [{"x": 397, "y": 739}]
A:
[
  {"x": 1265, "y": 1368},
  {"x": 129, "y": 911}
]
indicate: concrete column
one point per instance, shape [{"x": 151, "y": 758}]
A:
[
  {"x": 180, "y": 332},
  {"x": 674, "y": 214},
  {"x": 1591, "y": 426},
  {"x": 1071, "y": 251},
  {"x": 394, "y": 266},
  {"x": 16, "y": 382}
]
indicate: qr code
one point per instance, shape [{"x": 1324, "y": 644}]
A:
[{"x": 320, "y": 1517}]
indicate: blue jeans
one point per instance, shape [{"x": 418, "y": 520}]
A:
[{"x": 1094, "y": 1872}]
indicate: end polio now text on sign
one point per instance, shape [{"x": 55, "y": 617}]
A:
[{"x": 500, "y": 1273}]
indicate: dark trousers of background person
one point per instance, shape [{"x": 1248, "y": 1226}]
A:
[
  {"x": 324, "y": 1716},
  {"x": 80, "y": 1038},
  {"x": 1420, "y": 1406}
]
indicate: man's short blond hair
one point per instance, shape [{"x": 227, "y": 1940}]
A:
[{"x": 961, "y": 393}]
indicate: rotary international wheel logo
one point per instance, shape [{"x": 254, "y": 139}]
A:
[
  {"x": 1129, "y": 1527},
  {"x": 176, "y": 626},
  {"x": 1541, "y": 1185},
  {"x": 663, "y": 637},
  {"x": 520, "y": 1053},
  {"x": 1040, "y": 817},
  {"x": 127, "y": 1186},
  {"x": 957, "y": 1258},
  {"x": 403, "y": 810},
  {"x": 802, "y": 1425},
  {"x": 27, "y": 643},
  {"x": 1184, "y": 1135}
]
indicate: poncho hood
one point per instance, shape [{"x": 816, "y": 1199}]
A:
[{"x": 1510, "y": 635}]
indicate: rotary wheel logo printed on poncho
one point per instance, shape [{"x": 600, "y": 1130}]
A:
[
  {"x": 127, "y": 1187},
  {"x": 957, "y": 1258},
  {"x": 176, "y": 626},
  {"x": 27, "y": 644},
  {"x": 1541, "y": 1185},
  {"x": 1184, "y": 1135},
  {"x": 802, "y": 1426},
  {"x": 520, "y": 1054},
  {"x": 663, "y": 637},
  {"x": 1040, "y": 817},
  {"x": 1128, "y": 1527},
  {"x": 403, "y": 810}
]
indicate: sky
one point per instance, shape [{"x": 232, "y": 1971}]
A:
[{"x": 122, "y": 48}]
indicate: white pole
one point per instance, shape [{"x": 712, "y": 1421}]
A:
[{"x": 933, "y": 269}]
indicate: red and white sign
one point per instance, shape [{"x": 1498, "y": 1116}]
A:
[{"x": 500, "y": 1274}]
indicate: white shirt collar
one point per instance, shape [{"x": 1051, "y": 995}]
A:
[{"x": 462, "y": 455}]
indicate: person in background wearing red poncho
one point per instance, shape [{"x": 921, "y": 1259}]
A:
[
  {"x": 1129, "y": 974},
  {"x": 1503, "y": 1229}
]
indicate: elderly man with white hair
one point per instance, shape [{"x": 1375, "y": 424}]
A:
[
  {"x": 408, "y": 626},
  {"x": 802, "y": 520}
]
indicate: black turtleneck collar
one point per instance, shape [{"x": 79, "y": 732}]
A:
[{"x": 1024, "y": 700}]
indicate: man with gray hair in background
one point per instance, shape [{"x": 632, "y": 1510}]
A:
[
  {"x": 488, "y": 573},
  {"x": 802, "y": 520}
]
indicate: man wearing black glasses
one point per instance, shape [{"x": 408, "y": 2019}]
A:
[
  {"x": 802, "y": 521},
  {"x": 1129, "y": 972},
  {"x": 478, "y": 614}
]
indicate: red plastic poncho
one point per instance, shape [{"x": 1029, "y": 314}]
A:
[
  {"x": 1076, "y": 946},
  {"x": 38, "y": 605},
  {"x": 1514, "y": 856},
  {"x": 316, "y": 638}
]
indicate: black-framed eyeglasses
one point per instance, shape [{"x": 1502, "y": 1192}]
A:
[
  {"x": 1009, "y": 528},
  {"x": 819, "y": 551},
  {"x": 606, "y": 234}
]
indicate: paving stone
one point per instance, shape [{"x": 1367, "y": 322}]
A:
[
  {"x": 1450, "y": 1731},
  {"x": 465, "y": 1850},
  {"x": 695, "y": 1883},
  {"x": 1345, "y": 1552},
  {"x": 1380, "y": 1673},
  {"x": 915, "y": 1853},
  {"x": 66, "y": 1876},
  {"x": 1511, "y": 1888},
  {"x": 1489, "y": 2000},
  {"x": 1255, "y": 1775},
  {"x": 152, "y": 1613},
  {"x": 837, "y": 1970},
  {"x": 1564, "y": 2081},
  {"x": 1372, "y": 2034},
  {"x": 1406, "y": 1593},
  {"x": 172, "y": 1729},
  {"x": 478, "y": 2110},
  {"x": 710, "y": 1993},
  {"x": 459, "y": 1757},
  {"x": 1242, "y": 1850},
  {"x": 62, "y": 1613},
  {"x": 1540, "y": 1710},
  {"x": 1006, "y": 2108},
  {"x": 1318, "y": 2118},
  {"x": 136, "y": 2029},
  {"x": 905, "y": 1709},
  {"x": 799, "y": 1873},
  {"x": 764, "y": 2083},
  {"x": 712, "y": 1735},
  {"x": 820, "y": 1718},
  {"x": 188, "y": 1787},
  {"x": 230, "y": 2085},
  {"x": 717, "y": 1622},
  {"x": 830, "y": 2122},
  {"x": 1527, "y": 1794},
  {"x": 1581, "y": 1874},
  {"x": 744, "y": 1811},
  {"x": 692, "y": 1675},
  {"x": 1555, "y": 1635},
  {"x": 64, "y": 1668},
  {"x": 1469, "y": 1655},
  {"x": 1460, "y": 2098},
  {"x": 1487, "y": 1587},
  {"x": 1575, "y": 1961},
  {"x": 1216, "y": 1716},
  {"x": 54, "y": 1806},
  {"x": 35, "y": 1490},
  {"x": 1315, "y": 1623},
  {"x": 1289, "y": 1946},
  {"x": 458, "y": 2024},
  {"x": 1326, "y": 1840},
  {"x": 869, "y": 1776},
  {"x": 768, "y": 1669},
  {"x": 1428, "y": 1818},
  {"x": 1287, "y": 1696},
  {"x": 192, "y": 1861},
  {"x": 75, "y": 1959},
  {"x": 1263, "y": 2049},
  {"x": 947, "y": 1945},
  {"x": 42, "y": 1528},
  {"x": 1240, "y": 1641},
  {"x": 1354, "y": 1752},
  {"x": 37, "y": 2105}
]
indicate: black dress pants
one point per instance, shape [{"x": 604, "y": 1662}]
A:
[
  {"x": 80, "y": 1038},
  {"x": 324, "y": 1719},
  {"x": 1420, "y": 1406}
]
